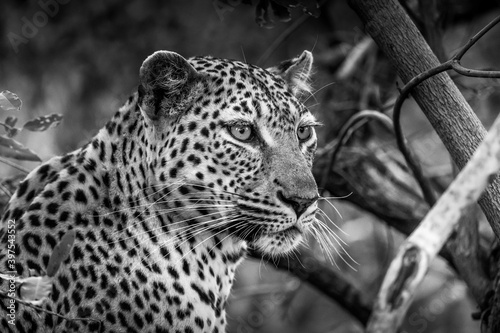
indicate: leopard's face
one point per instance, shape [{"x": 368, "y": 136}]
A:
[{"x": 237, "y": 159}]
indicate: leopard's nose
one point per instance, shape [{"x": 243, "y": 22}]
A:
[{"x": 298, "y": 204}]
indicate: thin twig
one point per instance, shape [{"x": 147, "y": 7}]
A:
[
  {"x": 263, "y": 289},
  {"x": 475, "y": 38},
  {"x": 356, "y": 55},
  {"x": 346, "y": 133},
  {"x": 400, "y": 138},
  {"x": 14, "y": 165},
  {"x": 5, "y": 190},
  {"x": 3, "y": 294},
  {"x": 457, "y": 67}
]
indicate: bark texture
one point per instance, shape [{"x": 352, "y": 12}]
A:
[
  {"x": 440, "y": 100},
  {"x": 438, "y": 97}
]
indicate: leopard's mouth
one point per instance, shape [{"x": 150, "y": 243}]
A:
[
  {"x": 278, "y": 243},
  {"x": 294, "y": 230}
]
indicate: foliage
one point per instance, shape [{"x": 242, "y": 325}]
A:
[
  {"x": 266, "y": 11},
  {"x": 10, "y": 148},
  {"x": 280, "y": 9}
]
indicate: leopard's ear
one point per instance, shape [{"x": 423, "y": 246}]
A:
[
  {"x": 167, "y": 85},
  {"x": 296, "y": 72}
]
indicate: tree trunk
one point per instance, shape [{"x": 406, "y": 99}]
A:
[{"x": 438, "y": 97}]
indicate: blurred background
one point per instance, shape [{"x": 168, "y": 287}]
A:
[{"x": 81, "y": 59}]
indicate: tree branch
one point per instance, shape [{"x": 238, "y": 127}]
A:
[
  {"x": 412, "y": 261},
  {"x": 327, "y": 280}
]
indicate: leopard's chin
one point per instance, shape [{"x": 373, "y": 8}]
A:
[{"x": 278, "y": 243}]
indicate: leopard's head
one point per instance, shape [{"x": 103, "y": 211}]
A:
[{"x": 232, "y": 147}]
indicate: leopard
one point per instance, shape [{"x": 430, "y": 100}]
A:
[{"x": 207, "y": 160}]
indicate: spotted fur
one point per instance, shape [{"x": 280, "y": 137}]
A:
[{"x": 166, "y": 199}]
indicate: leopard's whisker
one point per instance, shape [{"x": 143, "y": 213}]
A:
[
  {"x": 297, "y": 257},
  {"x": 147, "y": 205},
  {"x": 332, "y": 233},
  {"x": 202, "y": 230},
  {"x": 313, "y": 94},
  {"x": 194, "y": 207},
  {"x": 183, "y": 221},
  {"x": 175, "y": 238},
  {"x": 165, "y": 226},
  {"x": 326, "y": 243},
  {"x": 336, "y": 238},
  {"x": 203, "y": 241},
  {"x": 325, "y": 215},
  {"x": 249, "y": 229},
  {"x": 195, "y": 201},
  {"x": 179, "y": 184},
  {"x": 209, "y": 225},
  {"x": 324, "y": 246},
  {"x": 334, "y": 198},
  {"x": 204, "y": 224},
  {"x": 238, "y": 226},
  {"x": 334, "y": 208},
  {"x": 210, "y": 189},
  {"x": 177, "y": 209}
]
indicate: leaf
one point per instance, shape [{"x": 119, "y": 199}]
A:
[
  {"x": 35, "y": 289},
  {"x": 310, "y": 7},
  {"x": 262, "y": 16},
  {"x": 60, "y": 252},
  {"x": 43, "y": 123},
  {"x": 11, "y": 121},
  {"x": 10, "y": 101},
  {"x": 11, "y": 131},
  {"x": 9, "y": 126},
  {"x": 14, "y": 149},
  {"x": 280, "y": 12}
]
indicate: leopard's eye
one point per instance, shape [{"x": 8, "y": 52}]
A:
[
  {"x": 241, "y": 132},
  {"x": 304, "y": 133}
]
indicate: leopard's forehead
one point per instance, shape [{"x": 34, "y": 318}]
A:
[
  {"x": 249, "y": 92},
  {"x": 227, "y": 69}
]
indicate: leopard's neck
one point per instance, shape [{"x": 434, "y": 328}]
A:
[{"x": 126, "y": 156}]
